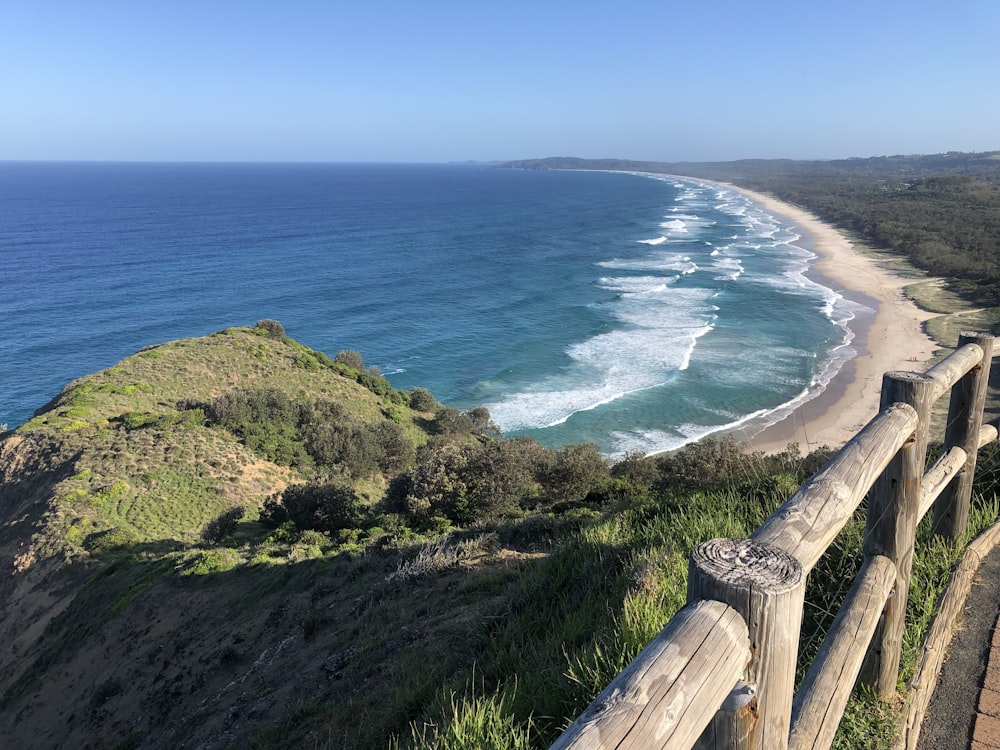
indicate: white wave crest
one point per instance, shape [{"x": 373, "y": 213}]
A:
[{"x": 660, "y": 331}]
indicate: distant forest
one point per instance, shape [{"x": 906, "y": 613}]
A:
[{"x": 941, "y": 211}]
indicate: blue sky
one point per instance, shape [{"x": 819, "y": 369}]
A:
[{"x": 436, "y": 81}]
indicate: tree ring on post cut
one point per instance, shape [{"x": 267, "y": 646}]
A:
[{"x": 745, "y": 563}]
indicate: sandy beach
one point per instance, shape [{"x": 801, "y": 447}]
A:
[{"x": 891, "y": 339}]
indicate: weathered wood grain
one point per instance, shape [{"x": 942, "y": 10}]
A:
[
  {"x": 810, "y": 520},
  {"x": 938, "y": 476},
  {"x": 893, "y": 507},
  {"x": 667, "y": 695},
  {"x": 965, "y": 417},
  {"x": 819, "y": 704},
  {"x": 766, "y": 585},
  {"x": 954, "y": 367}
]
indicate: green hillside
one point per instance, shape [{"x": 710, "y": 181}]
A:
[{"x": 236, "y": 541}]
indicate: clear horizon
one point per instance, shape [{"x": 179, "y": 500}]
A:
[{"x": 448, "y": 82}]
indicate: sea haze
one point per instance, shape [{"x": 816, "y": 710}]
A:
[{"x": 638, "y": 312}]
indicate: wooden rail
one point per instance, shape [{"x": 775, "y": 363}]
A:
[{"x": 721, "y": 674}]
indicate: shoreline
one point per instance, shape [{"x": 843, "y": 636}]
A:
[{"x": 892, "y": 338}]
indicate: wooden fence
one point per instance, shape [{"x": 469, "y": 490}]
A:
[{"x": 721, "y": 674}]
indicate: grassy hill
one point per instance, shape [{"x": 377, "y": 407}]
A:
[{"x": 236, "y": 541}]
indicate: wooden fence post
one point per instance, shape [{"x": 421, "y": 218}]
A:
[
  {"x": 965, "y": 417},
  {"x": 767, "y": 587},
  {"x": 893, "y": 511}
]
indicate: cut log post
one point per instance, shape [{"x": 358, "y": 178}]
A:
[
  {"x": 965, "y": 418},
  {"x": 893, "y": 509},
  {"x": 819, "y": 705},
  {"x": 668, "y": 694},
  {"x": 766, "y": 585},
  {"x": 733, "y": 723}
]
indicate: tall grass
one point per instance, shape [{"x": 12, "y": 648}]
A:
[{"x": 572, "y": 624}]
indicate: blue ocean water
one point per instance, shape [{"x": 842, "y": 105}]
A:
[{"x": 635, "y": 311}]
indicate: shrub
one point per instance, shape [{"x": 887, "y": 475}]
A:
[
  {"x": 350, "y": 358},
  {"x": 359, "y": 449},
  {"x": 703, "y": 465},
  {"x": 273, "y": 328},
  {"x": 433, "y": 486},
  {"x": 576, "y": 471},
  {"x": 467, "y": 483},
  {"x": 499, "y": 475},
  {"x": 206, "y": 562},
  {"x": 135, "y": 420},
  {"x": 273, "y": 514},
  {"x": 450, "y": 421},
  {"x": 422, "y": 400},
  {"x": 375, "y": 383},
  {"x": 396, "y": 449},
  {"x": 115, "y": 539},
  {"x": 307, "y": 361},
  {"x": 223, "y": 526},
  {"x": 266, "y": 420},
  {"x": 482, "y": 422},
  {"x": 323, "y": 506}
]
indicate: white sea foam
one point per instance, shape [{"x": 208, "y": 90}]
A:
[
  {"x": 729, "y": 269},
  {"x": 633, "y": 286},
  {"x": 659, "y": 441},
  {"x": 681, "y": 264},
  {"x": 660, "y": 329},
  {"x": 676, "y": 226}
]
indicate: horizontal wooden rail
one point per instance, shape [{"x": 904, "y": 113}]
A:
[
  {"x": 672, "y": 689},
  {"x": 811, "y": 518},
  {"x": 946, "y": 468},
  {"x": 819, "y": 704},
  {"x": 953, "y": 368},
  {"x": 987, "y": 434},
  {"x": 696, "y": 685},
  {"x": 938, "y": 477}
]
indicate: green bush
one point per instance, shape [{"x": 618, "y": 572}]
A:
[
  {"x": 422, "y": 400},
  {"x": 206, "y": 562},
  {"x": 266, "y": 420},
  {"x": 450, "y": 421},
  {"x": 223, "y": 526},
  {"x": 361, "y": 450},
  {"x": 350, "y": 358},
  {"x": 134, "y": 420},
  {"x": 115, "y": 539},
  {"x": 575, "y": 472},
  {"x": 306, "y": 361},
  {"x": 320, "y": 505},
  {"x": 482, "y": 422},
  {"x": 272, "y": 328},
  {"x": 468, "y": 482}
]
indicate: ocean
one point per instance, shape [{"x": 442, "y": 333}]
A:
[{"x": 637, "y": 312}]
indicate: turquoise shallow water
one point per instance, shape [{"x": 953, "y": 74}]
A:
[{"x": 634, "y": 311}]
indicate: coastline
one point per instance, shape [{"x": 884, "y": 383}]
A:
[{"x": 891, "y": 339}]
